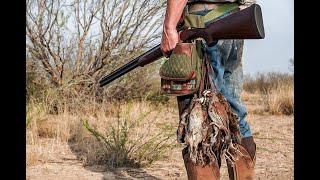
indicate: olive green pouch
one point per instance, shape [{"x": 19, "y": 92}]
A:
[{"x": 181, "y": 73}]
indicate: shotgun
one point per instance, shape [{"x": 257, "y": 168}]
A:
[{"x": 243, "y": 24}]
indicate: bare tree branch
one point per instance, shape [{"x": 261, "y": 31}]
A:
[{"x": 85, "y": 39}]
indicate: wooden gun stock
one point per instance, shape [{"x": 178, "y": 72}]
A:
[{"x": 244, "y": 24}]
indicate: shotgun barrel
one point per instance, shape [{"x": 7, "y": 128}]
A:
[{"x": 146, "y": 58}]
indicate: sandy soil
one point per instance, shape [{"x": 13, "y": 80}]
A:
[{"x": 273, "y": 135}]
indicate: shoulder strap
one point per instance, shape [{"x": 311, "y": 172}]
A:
[
  {"x": 198, "y": 21},
  {"x": 219, "y": 11}
]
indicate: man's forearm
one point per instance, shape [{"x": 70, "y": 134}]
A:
[
  {"x": 173, "y": 13},
  {"x": 170, "y": 36}
]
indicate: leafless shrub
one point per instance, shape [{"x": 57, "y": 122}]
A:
[
  {"x": 76, "y": 42},
  {"x": 275, "y": 89},
  {"x": 264, "y": 82}
]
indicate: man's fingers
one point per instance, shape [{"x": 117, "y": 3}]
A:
[
  {"x": 163, "y": 48},
  {"x": 165, "y": 52}
]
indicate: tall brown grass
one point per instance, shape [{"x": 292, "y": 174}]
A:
[
  {"x": 114, "y": 134},
  {"x": 275, "y": 89},
  {"x": 280, "y": 100}
]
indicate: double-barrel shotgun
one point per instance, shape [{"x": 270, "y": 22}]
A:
[{"x": 244, "y": 24}]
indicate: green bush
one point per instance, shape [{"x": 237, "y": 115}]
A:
[{"x": 129, "y": 143}]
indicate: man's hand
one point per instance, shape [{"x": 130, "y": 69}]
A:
[{"x": 170, "y": 38}]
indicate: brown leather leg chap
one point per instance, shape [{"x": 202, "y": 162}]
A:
[
  {"x": 243, "y": 168},
  {"x": 198, "y": 172}
]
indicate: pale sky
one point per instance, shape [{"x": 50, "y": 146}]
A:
[{"x": 273, "y": 52}]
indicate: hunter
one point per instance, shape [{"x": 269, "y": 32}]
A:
[{"x": 226, "y": 61}]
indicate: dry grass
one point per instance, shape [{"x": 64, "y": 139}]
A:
[
  {"x": 32, "y": 158},
  {"x": 135, "y": 134},
  {"x": 273, "y": 135},
  {"x": 280, "y": 100},
  {"x": 129, "y": 134},
  {"x": 264, "y": 82},
  {"x": 275, "y": 90}
]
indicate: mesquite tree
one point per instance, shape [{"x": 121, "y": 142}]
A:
[{"x": 77, "y": 41}]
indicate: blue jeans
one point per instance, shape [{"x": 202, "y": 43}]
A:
[{"x": 226, "y": 61}]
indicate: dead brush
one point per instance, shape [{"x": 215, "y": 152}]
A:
[
  {"x": 280, "y": 100},
  {"x": 128, "y": 134},
  {"x": 35, "y": 113},
  {"x": 136, "y": 133},
  {"x": 275, "y": 89},
  {"x": 264, "y": 82}
]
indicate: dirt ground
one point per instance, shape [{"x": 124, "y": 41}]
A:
[{"x": 273, "y": 135}]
